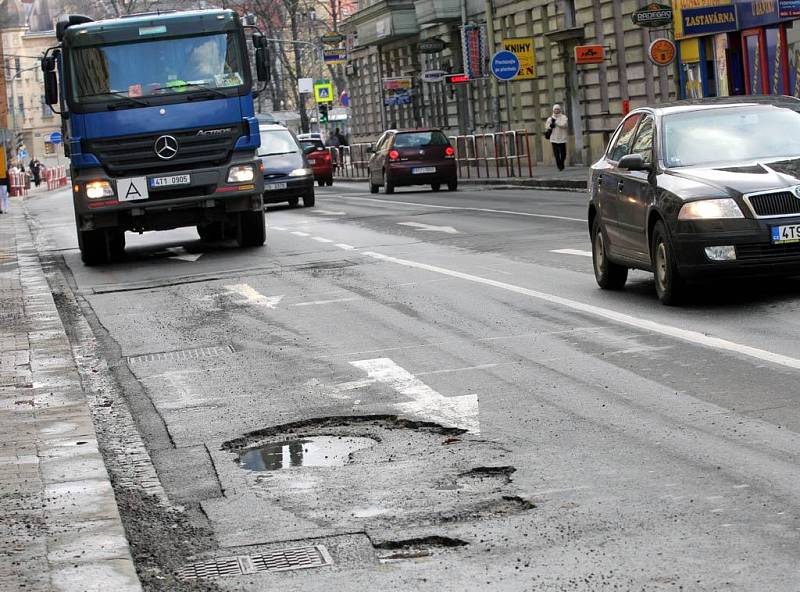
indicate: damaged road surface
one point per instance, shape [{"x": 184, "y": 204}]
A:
[{"x": 359, "y": 405}]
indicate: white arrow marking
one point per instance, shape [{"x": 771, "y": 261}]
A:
[
  {"x": 183, "y": 255},
  {"x": 254, "y": 297},
  {"x": 573, "y": 252},
  {"x": 329, "y": 213},
  {"x": 430, "y": 227},
  {"x": 458, "y": 412}
]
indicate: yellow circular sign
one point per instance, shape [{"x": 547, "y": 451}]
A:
[{"x": 662, "y": 52}]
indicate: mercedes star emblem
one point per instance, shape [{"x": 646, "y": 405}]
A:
[{"x": 166, "y": 147}]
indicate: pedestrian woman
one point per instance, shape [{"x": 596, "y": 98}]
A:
[
  {"x": 556, "y": 130},
  {"x": 5, "y": 185}
]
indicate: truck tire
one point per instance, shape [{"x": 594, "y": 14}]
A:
[
  {"x": 116, "y": 243},
  {"x": 293, "y": 201},
  {"x": 212, "y": 231},
  {"x": 94, "y": 247},
  {"x": 252, "y": 229}
]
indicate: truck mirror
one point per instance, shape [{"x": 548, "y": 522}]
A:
[
  {"x": 258, "y": 39},
  {"x": 50, "y": 80},
  {"x": 262, "y": 64}
]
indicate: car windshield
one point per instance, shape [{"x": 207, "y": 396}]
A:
[
  {"x": 157, "y": 67},
  {"x": 309, "y": 143},
  {"x": 420, "y": 139},
  {"x": 277, "y": 142},
  {"x": 730, "y": 134}
]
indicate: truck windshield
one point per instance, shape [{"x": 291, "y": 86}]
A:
[{"x": 155, "y": 68}]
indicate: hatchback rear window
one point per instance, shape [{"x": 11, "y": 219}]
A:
[
  {"x": 420, "y": 139},
  {"x": 315, "y": 143}
]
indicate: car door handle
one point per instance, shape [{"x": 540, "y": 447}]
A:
[
  {"x": 599, "y": 179},
  {"x": 620, "y": 185}
]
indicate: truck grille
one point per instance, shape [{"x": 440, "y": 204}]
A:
[
  {"x": 775, "y": 204},
  {"x": 135, "y": 155}
]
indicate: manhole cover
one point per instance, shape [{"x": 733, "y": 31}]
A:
[
  {"x": 313, "y": 451},
  {"x": 281, "y": 560}
]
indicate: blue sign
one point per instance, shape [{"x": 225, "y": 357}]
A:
[
  {"x": 54, "y": 138},
  {"x": 789, "y": 8},
  {"x": 23, "y": 153},
  {"x": 756, "y": 13},
  {"x": 505, "y": 65},
  {"x": 708, "y": 20}
]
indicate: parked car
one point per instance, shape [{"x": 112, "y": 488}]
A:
[
  {"x": 413, "y": 157},
  {"x": 319, "y": 157},
  {"x": 697, "y": 191},
  {"x": 287, "y": 174}
]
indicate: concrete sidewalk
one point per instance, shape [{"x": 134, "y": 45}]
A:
[{"x": 60, "y": 528}]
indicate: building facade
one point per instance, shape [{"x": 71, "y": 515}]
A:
[{"x": 389, "y": 41}]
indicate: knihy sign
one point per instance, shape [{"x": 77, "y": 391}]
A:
[{"x": 523, "y": 48}]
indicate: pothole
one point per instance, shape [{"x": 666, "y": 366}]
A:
[
  {"x": 416, "y": 548},
  {"x": 312, "y": 451}
]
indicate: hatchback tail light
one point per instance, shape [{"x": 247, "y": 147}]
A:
[
  {"x": 326, "y": 156},
  {"x": 449, "y": 152},
  {"x": 394, "y": 155}
]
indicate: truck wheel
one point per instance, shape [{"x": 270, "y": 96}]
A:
[
  {"x": 308, "y": 200},
  {"x": 212, "y": 231},
  {"x": 252, "y": 229},
  {"x": 94, "y": 246},
  {"x": 116, "y": 243}
]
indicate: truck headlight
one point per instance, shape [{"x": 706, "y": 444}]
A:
[
  {"x": 710, "y": 209},
  {"x": 99, "y": 189},
  {"x": 241, "y": 174},
  {"x": 301, "y": 172}
]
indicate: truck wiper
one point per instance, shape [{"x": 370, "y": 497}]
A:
[
  {"x": 124, "y": 100},
  {"x": 199, "y": 87}
]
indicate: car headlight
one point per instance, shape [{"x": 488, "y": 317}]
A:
[
  {"x": 710, "y": 209},
  {"x": 301, "y": 172},
  {"x": 99, "y": 189},
  {"x": 241, "y": 174}
]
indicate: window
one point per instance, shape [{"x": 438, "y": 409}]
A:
[
  {"x": 644, "y": 140},
  {"x": 275, "y": 142},
  {"x": 420, "y": 139},
  {"x": 17, "y": 67},
  {"x": 621, "y": 144},
  {"x": 21, "y": 105},
  {"x": 46, "y": 111},
  {"x": 8, "y": 68}
]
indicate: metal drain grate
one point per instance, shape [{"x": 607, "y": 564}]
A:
[
  {"x": 283, "y": 560},
  {"x": 183, "y": 354}
]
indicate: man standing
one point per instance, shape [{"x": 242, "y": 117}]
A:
[{"x": 557, "y": 130}]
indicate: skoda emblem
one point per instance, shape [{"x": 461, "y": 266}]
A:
[
  {"x": 797, "y": 191},
  {"x": 166, "y": 147}
]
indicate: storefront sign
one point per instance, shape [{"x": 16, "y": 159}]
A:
[
  {"x": 397, "y": 91},
  {"x": 523, "y": 48},
  {"x": 757, "y": 13},
  {"x": 473, "y": 46},
  {"x": 332, "y": 38},
  {"x": 789, "y": 8},
  {"x": 433, "y": 45},
  {"x": 334, "y": 56},
  {"x": 708, "y": 20},
  {"x": 662, "y": 52},
  {"x": 433, "y": 76},
  {"x": 652, "y": 15},
  {"x": 590, "y": 54},
  {"x": 456, "y": 79}
]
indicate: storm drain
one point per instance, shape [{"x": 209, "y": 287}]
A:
[
  {"x": 283, "y": 560},
  {"x": 183, "y": 354}
]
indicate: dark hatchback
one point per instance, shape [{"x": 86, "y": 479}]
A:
[
  {"x": 414, "y": 157},
  {"x": 287, "y": 176},
  {"x": 698, "y": 191}
]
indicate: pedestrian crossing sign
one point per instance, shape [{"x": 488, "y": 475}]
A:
[{"x": 323, "y": 91}]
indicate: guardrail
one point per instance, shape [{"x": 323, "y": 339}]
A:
[{"x": 55, "y": 177}]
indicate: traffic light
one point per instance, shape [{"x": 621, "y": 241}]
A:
[{"x": 323, "y": 114}]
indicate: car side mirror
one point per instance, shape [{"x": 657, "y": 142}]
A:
[{"x": 634, "y": 162}]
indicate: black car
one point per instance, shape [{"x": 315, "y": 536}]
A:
[
  {"x": 287, "y": 176},
  {"x": 698, "y": 191}
]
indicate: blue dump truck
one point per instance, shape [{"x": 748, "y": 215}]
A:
[{"x": 159, "y": 126}]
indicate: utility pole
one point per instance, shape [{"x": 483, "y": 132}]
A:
[
  {"x": 495, "y": 94},
  {"x": 469, "y": 119}
]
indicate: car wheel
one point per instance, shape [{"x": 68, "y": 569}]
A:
[
  {"x": 321, "y": 182},
  {"x": 374, "y": 188},
  {"x": 308, "y": 200},
  {"x": 293, "y": 201},
  {"x": 252, "y": 229},
  {"x": 329, "y": 182},
  {"x": 452, "y": 185},
  {"x": 388, "y": 187},
  {"x": 436, "y": 186},
  {"x": 670, "y": 286},
  {"x": 608, "y": 274}
]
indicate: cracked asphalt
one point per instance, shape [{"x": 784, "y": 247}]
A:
[{"x": 529, "y": 431}]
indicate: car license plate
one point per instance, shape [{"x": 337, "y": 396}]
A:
[
  {"x": 312, "y": 161},
  {"x": 274, "y": 186},
  {"x": 423, "y": 170},
  {"x": 173, "y": 180},
  {"x": 786, "y": 234}
]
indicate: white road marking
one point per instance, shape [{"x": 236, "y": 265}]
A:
[
  {"x": 430, "y": 227},
  {"x": 693, "y": 337},
  {"x": 344, "y": 246},
  {"x": 252, "y": 296},
  {"x": 487, "y": 210},
  {"x": 315, "y": 302},
  {"x": 328, "y": 212},
  {"x": 298, "y": 233},
  {"x": 464, "y": 369},
  {"x": 573, "y": 252},
  {"x": 276, "y": 228},
  {"x": 319, "y": 239},
  {"x": 182, "y": 254},
  {"x": 459, "y": 412}
]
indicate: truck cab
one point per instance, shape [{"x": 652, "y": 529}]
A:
[{"x": 159, "y": 125}]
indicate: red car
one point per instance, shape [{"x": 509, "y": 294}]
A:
[
  {"x": 412, "y": 157},
  {"x": 320, "y": 160}
]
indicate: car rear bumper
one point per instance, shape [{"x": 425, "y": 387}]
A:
[
  {"x": 403, "y": 173},
  {"x": 295, "y": 187}
]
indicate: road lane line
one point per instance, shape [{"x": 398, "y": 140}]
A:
[
  {"x": 276, "y": 228},
  {"x": 344, "y": 246},
  {"x": 573, "y": 252},
  {"x": 687, "y": 335},
  {"x": 298, "y": 233},
  {"x": 487, "y": 210},
  {"x": 430, "y": 227},
  {"x": 252, "y": 296},
  {"x": 319, "y": 239},
  {"x": 464, "y": 369},
  {"x": 315, "y": 302},
  {"x": 328, "y": 212}
]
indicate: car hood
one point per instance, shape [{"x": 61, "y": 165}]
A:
[
  {"x": 739, "y": 179},
  {"x": 282, "y": 163}
]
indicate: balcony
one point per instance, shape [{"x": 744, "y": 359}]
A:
[
  {"x": 383, "y": 21},
  {"x": 430, "y": 12}
]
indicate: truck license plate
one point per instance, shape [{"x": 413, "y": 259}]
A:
[
  {"x": 786, "y": 234},
  {"x": 132, "y": 189},
  {"x": 172, "y": 180}
]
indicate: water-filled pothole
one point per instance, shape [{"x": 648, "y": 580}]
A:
[{"x": 311, "y": 451}]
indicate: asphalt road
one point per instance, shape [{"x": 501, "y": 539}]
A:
[{"x": 525, "y": 431}]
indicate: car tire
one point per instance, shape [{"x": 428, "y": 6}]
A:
[
  {"x": 436, "y": 186},
  {"x": 210, "y": 232},
  {"x": 671, "y": 288},
  {"x": 374, "y": 188},
  {"x": 252, "y": 229},
  {"x": 329, "y": 182},
  {"x": 609, "y": 275},
  {"x": 452, "y": 185},
  {"x": 293, "y": 201},
  {"x": 308, "y": 200},
  {"x": 321, "y": 182},
  {"x": 94, "y": 247},
  {"x": 388, "y": 187}
]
